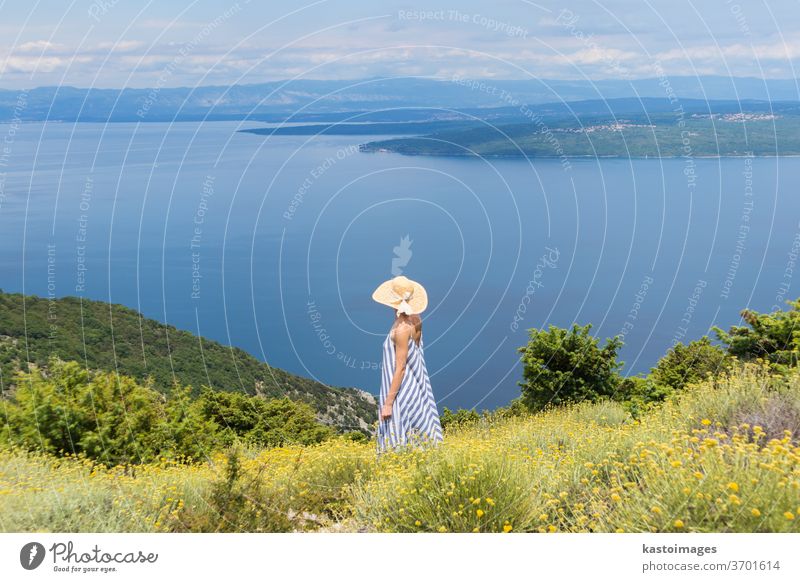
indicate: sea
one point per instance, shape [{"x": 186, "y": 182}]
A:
[{"x": 274, "y": 244}]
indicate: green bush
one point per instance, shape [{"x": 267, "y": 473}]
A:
[
  {"x": 461, "y": 416},
  {"x": 638, "y": 394},
  {"x": 515, "y": 408},
  {"x": 185, "y": 428},
  {"x": 561, "y": 366},
  {"x": 689, "y": 364},
  {"x": 464, "y": 417},
  {"x": 774, "y": 337},
  {"x": 681, "y": 366},
  {"x": 115, "y": 420},
  {"x": 356, "y": 436},
  {"x": 101, "y": 415},
  {"x": 267, "y": 423}
]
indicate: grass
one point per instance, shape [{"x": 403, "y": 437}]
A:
[{"x": 723, "y": 457}]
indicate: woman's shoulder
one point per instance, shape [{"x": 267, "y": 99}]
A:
[{"x": 403, "y": 329}]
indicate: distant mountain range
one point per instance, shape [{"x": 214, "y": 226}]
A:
[{"x": 311, "y": 100}]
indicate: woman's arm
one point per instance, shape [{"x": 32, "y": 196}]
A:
[{"x": 401, "y": 335}]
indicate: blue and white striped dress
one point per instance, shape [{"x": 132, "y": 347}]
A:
[{"x": 415, "y": 419}]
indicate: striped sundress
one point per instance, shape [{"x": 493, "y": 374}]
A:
[{"x": 415, "y": 419}]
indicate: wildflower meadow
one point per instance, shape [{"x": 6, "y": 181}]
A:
[{"x": 716, "y": 457}]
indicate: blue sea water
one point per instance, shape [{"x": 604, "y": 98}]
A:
[{"x": 275, "y": 245}]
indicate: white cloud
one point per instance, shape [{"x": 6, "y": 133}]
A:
[
  {"x": 120, "y": 46},
  {"x": 35, "y": 46},
  {"x": 223, "y": 60}
]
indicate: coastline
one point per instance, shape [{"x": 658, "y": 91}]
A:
[{"x": 576, "y": 156}]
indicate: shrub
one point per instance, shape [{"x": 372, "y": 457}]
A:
[
  {"x": 563, "y": 366},
  {"x": 356, "y": 436},
  {"x": 459, "y": 417},
  {"x": 751, "y": 396},
  {"x": 688, "y": 364},
  {"x": 638, "y": 394},
  {"x": 101, "y": 415},
  {"x": 280, "y": 489},
  {"x": 465, "y": 417},
  {"x": 239, "y": 504},
  {"x": 263, "y": 422},
  {"x": 115, "y": 420},
  {"x": 774, "y": 337},
  {"x": 185, "y": 429},
  {"x": 516, "y": 408}
]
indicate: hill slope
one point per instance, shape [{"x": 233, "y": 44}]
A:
[
  {"x": 656, "y": 136},
  {"x": 115, "y": 338}
]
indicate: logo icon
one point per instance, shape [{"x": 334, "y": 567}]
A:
[
  {"x": 402, "y": 254},
  {"x": 31, "y": 555}
]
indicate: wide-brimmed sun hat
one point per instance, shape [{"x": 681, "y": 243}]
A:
[{"x": 403, "y": 294}]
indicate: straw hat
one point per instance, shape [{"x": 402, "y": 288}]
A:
[{"x": 403, "y": 294}]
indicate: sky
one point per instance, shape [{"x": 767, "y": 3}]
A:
[{"x": 172, "y": 43}]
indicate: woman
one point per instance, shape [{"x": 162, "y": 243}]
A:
[{"x": 407, "y": 411}]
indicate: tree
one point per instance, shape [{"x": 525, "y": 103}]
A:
[
  {"x": 563, "y": 366},
  {"x": 774, "y": 337}
]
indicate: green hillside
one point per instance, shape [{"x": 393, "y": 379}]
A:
[
  {"x": 655, "y": 136},
  {"x": 115, "y": 338}
]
